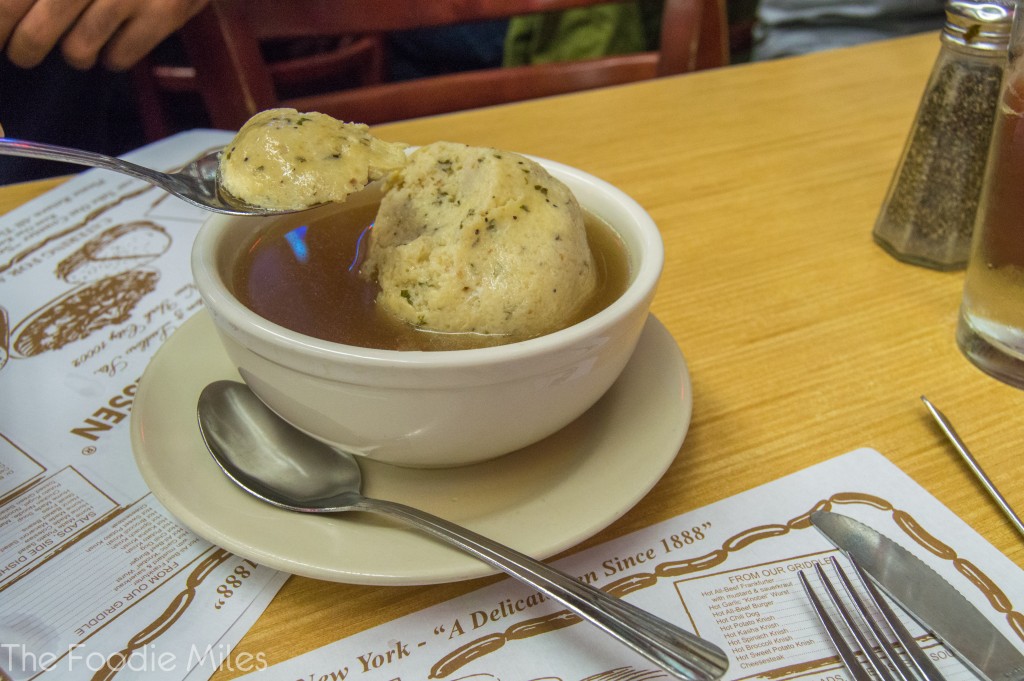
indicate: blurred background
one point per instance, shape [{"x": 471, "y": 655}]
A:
[{"x": 396, "y": 59}]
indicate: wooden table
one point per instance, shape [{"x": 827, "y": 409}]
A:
[{"x": 804, "y": 339}]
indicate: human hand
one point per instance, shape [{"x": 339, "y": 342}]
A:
[{"x": 120, "y": 32}]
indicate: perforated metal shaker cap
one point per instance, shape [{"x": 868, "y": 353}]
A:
[{"x": 981, "y": 26}]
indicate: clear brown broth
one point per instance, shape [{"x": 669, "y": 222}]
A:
[{"x": 305, "y": 277}]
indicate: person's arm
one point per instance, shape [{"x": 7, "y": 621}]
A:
[{"x": 117, "y": 32}]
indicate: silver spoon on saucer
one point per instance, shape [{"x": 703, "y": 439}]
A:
[
  {"x": 279, "y": 464},
  {"x": 196, "y": 182}
]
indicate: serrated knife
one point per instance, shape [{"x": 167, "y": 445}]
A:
[{"x": 929, "y": 598}]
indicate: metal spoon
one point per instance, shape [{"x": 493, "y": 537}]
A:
[
  {"x": 279, "y": 464},
  {"x": 196, "y": 182}
]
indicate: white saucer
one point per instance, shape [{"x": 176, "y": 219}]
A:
[{"x": 539, "y": 500}]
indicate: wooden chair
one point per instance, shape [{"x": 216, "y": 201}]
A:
[
  {"x": 225, "y": 44},
  {"x": 170, "y": 98}
]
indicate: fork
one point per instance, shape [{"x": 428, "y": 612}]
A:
[{"x": 877, "y": 648}]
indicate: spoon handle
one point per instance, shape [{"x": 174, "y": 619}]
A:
[
  {"x": 52, "y": 152},
  {"x": 673, "y": 649}
]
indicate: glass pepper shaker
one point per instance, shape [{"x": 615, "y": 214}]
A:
[{"x": 928, "y": 214}]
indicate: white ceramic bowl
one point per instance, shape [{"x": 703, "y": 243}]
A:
[{"x": 445, "y": 408}]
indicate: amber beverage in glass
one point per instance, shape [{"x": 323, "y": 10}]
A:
[{"x": 990, "y": 331}]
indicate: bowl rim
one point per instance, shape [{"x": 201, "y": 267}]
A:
[{"x": 244, "y": 322}]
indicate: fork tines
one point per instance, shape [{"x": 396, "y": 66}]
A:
[{"x": 874, "y": 633}]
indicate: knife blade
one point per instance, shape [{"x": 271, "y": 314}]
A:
[{"x": 926, "y": 596}]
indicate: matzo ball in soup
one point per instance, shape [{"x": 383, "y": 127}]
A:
[{"x": 479, "y": 240}]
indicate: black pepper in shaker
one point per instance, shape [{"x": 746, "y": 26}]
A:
[{"x": 928, "y": 214}]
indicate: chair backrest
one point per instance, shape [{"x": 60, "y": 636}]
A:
[{"x": 224, "y": 44}]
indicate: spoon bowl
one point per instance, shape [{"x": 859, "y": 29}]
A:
[
  {"x": 279, "y": 464},
  {"x": 197, "y": 182}
]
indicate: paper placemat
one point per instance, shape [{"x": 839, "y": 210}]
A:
[
  {"x": 97, "y": 579},
  {"x": 727, "y": 572}
]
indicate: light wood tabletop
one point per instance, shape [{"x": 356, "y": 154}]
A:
[{"x": 804, "y": 339}]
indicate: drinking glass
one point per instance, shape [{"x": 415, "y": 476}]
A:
[{"x": 990, "y": 330}]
